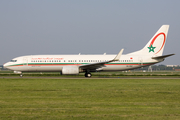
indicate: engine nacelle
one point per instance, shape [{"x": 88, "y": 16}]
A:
[
  {"x": 70, "y": 70},
  {"x": 17, "y": 72}
]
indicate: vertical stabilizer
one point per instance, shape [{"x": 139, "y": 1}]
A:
[{"x": 156, "y": 45}]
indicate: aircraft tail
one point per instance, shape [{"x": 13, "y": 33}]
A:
[{"x": 156, "y": 45}]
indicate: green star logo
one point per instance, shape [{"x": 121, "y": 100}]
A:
[{"x": 151, "y": 48}]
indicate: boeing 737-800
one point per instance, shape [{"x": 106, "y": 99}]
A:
[{"x": 75, "y": 64}]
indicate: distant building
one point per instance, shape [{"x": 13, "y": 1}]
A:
[
  {"x": 172, "y": 65},
  {"x": 1, "y": 67}
]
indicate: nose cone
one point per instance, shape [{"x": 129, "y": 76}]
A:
[{"x": 6, "y": 65}]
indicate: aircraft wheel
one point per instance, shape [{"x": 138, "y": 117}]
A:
[{"x": 87, "y": 75}]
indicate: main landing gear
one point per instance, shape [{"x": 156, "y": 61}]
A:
[
  {"x": 21, "y": 75},
  {"x": 87, "y": 74}
]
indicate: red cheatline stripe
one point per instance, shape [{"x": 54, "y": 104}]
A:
[
  {"x": 132, "y": 64},
  {"x": 77, "y": 64}
]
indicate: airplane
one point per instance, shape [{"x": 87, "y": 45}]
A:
[{"x": 75, "y": 64}]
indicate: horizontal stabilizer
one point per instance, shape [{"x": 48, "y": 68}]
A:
[{"x": 162, "y": 57}]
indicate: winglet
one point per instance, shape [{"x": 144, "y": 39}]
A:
[{"x": 118, "y": 55}]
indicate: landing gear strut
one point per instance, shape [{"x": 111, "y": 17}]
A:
[{"x": 87, "y": 74}]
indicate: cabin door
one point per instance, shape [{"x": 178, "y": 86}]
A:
[
  {"x": 140, "y": 61},
  {"x": 25, "y": 61}
]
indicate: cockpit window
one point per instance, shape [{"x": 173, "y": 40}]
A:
[{"x": 13, "y": 60}]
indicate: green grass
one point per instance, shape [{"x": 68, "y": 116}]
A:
[
  {"x": 76, "y": 99},
  {"x": 101, "y": 74}
]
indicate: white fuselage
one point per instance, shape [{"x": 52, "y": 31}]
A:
[
  {"x": 55, "y": 63},
  {"x": 150, "y": 54}
]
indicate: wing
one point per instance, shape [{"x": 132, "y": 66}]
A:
[{"x": 94, "y": 66}]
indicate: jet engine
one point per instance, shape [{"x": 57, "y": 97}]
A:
[
  {"x": 17, "y": 72},
  {"x": 70, "y": 70}
]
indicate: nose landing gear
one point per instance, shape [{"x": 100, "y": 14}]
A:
[{"x": 21, "y": 75}]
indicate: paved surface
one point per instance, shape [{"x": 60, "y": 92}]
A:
[{"x": 24, "y": 77}]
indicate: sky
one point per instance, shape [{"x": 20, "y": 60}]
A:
[{"x": 86, "y": 26}]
